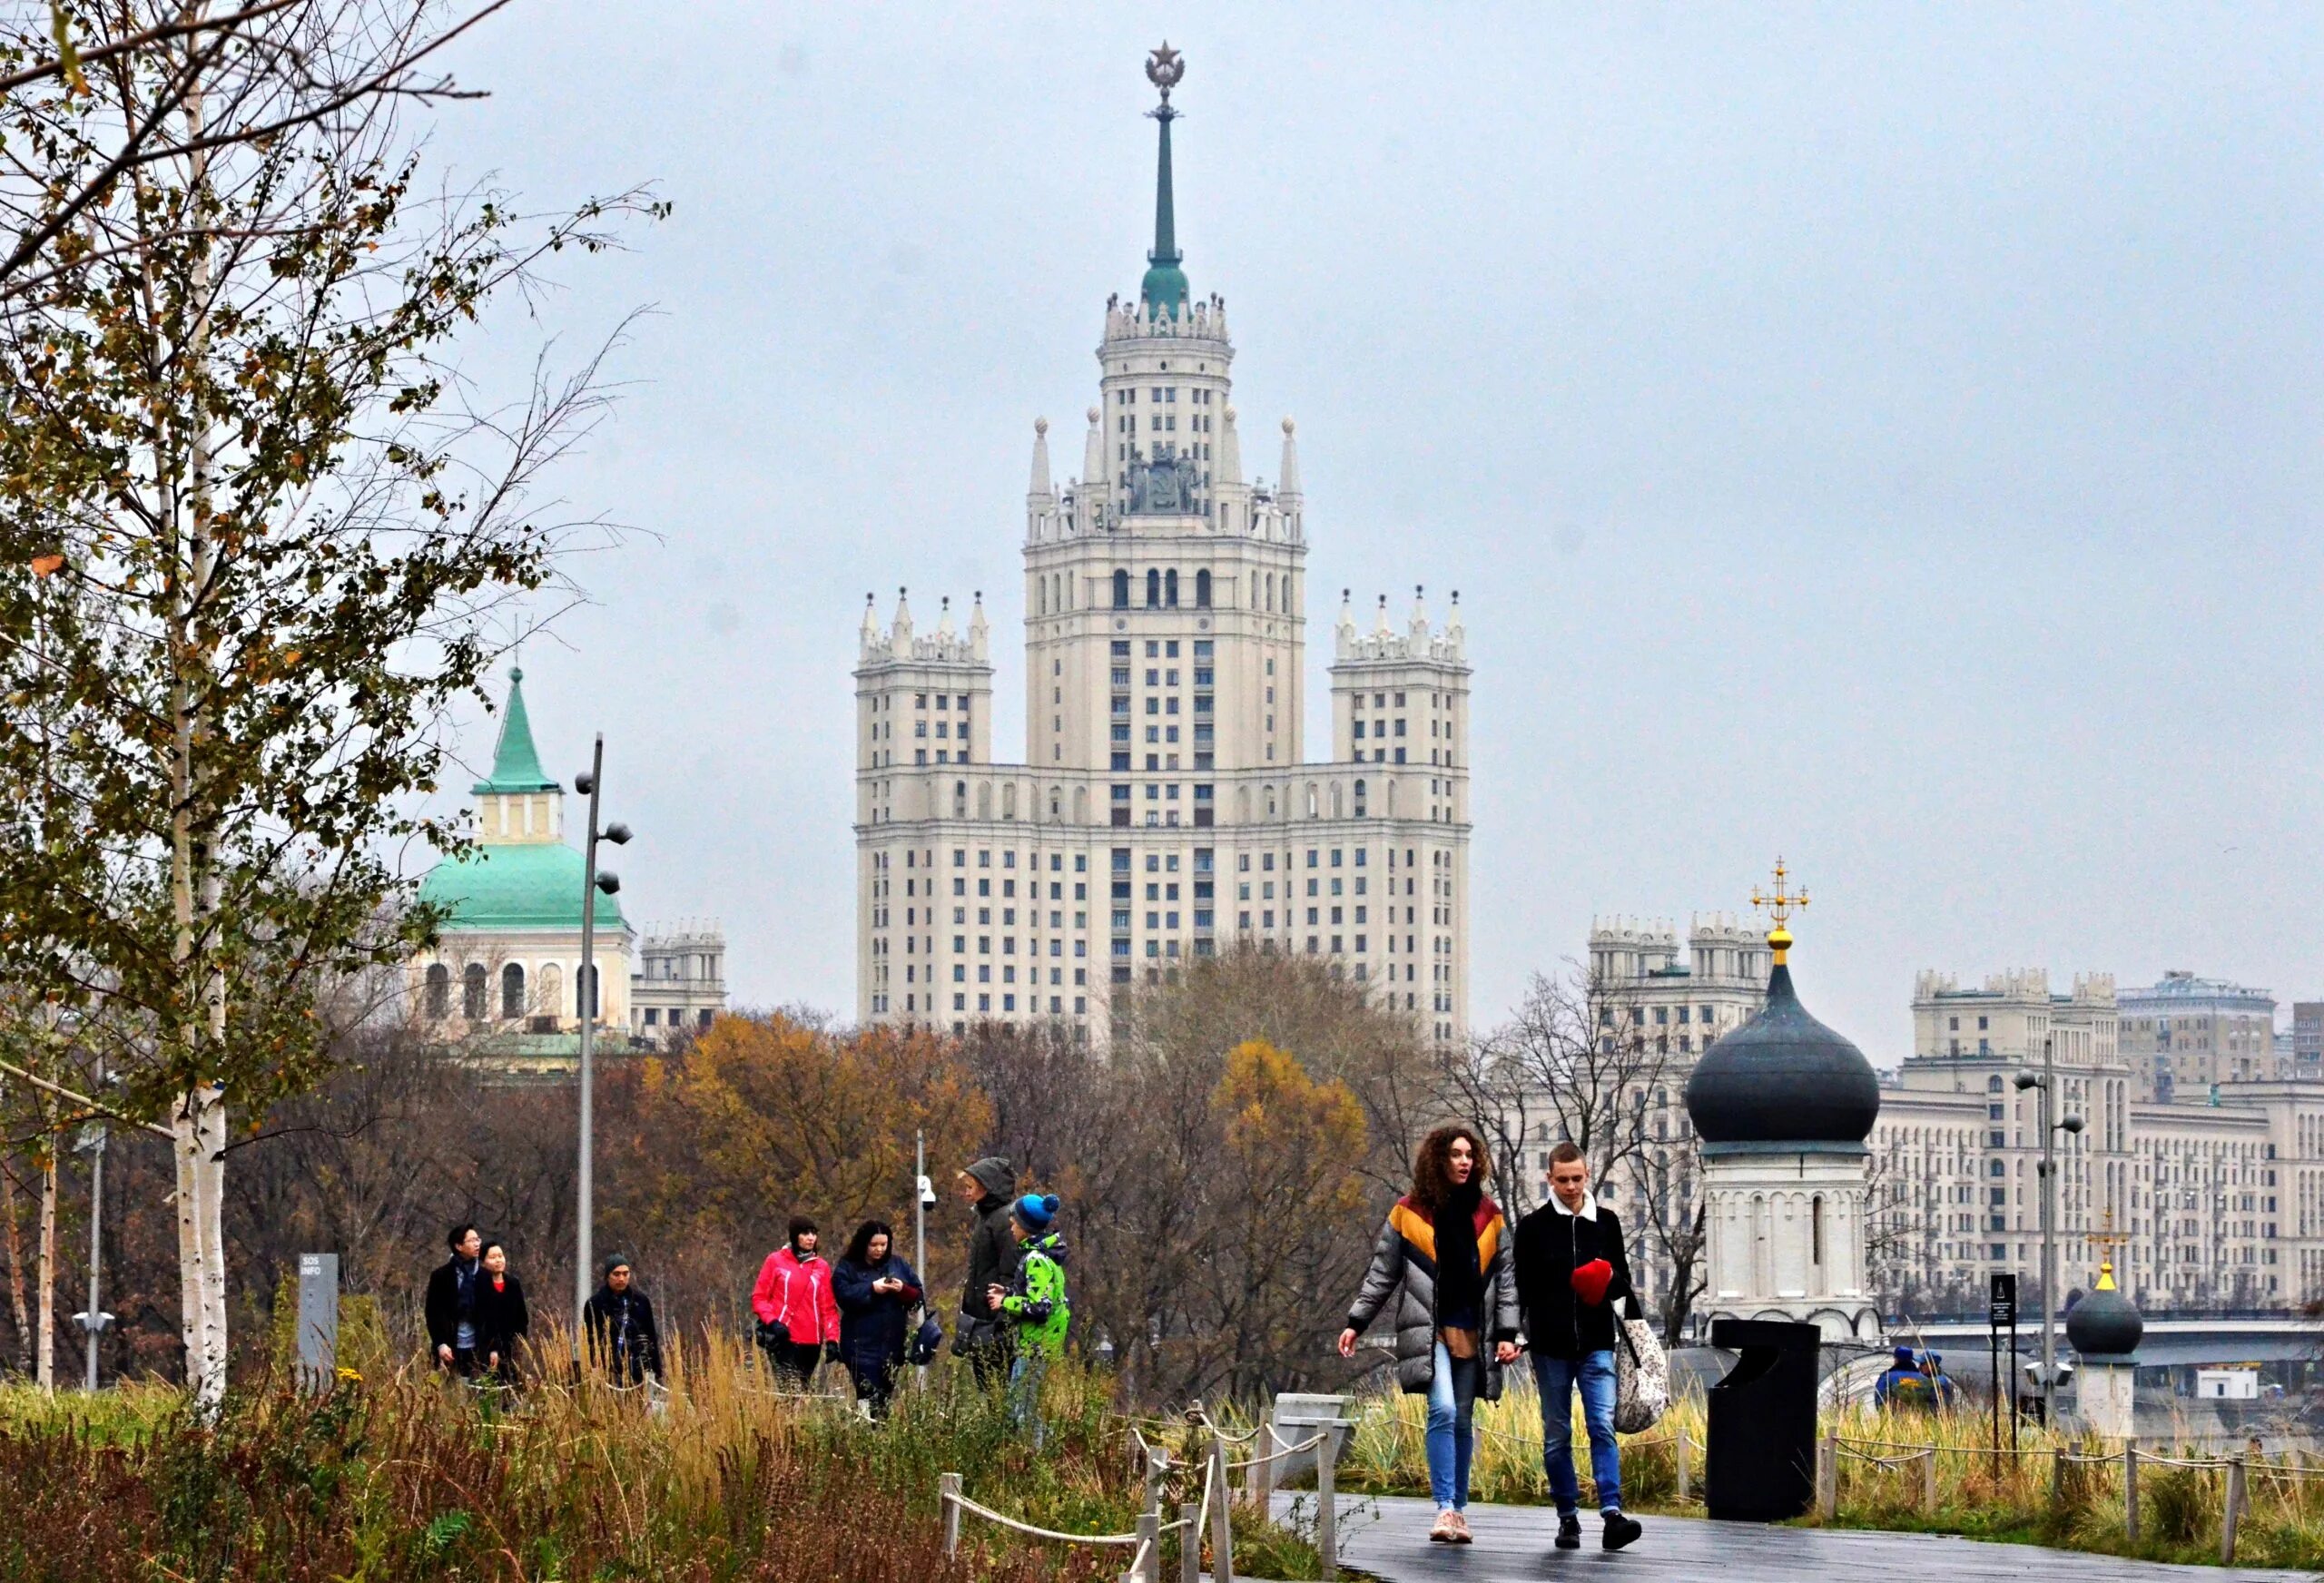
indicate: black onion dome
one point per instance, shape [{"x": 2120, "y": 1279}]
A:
[
  {"x": 2105, "y": 1324},
  {"x": 1783, "y": 1077}
]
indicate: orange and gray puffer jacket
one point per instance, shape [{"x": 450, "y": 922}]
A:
[{"x": 1403, "y": 1265}]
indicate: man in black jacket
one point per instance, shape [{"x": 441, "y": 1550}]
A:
[
  {"x": 619, "y": 1321},
  {"x": 983, "y": 1336},
  {"x": 450, "y": 1308},
  {"x": 1572, "y": 1269}
]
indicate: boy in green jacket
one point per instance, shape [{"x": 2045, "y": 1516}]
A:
[{"x": 1034, "y": 1304}]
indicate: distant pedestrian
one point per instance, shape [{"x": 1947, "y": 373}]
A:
[
  {"x": 450, "y": 1306},
  {"x": 623, "y": 1340},
  {"x": 502, "y": 1320},
  {"x": 798, "y": 1317},
  {"x": 982, "y": 1336},
  {"x": 1572, "y": 1269},
  {"x": 1034, "y": 1305},
  {"x": 1443, "y": 1256},
  {"x": 877, "y": 1293}
]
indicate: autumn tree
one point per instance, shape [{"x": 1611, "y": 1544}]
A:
[
  {"x": 1287, "y": 1198},
  {"x": 765, "y": 1116},
  {"x": 256, "y": 538}
]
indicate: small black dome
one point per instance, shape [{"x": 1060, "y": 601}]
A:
[
  {"x": 1783, "y": 1077},
  {"x": 2105, "y": 1324}
]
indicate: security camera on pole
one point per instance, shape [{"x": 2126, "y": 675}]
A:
[{"x": 586, "y": 991}]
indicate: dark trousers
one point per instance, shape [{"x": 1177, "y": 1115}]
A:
[
  {"x": 465, "y": 1362},
  {"x": 794, "y": 1363},
  {"x": 875, "y": 1383}
]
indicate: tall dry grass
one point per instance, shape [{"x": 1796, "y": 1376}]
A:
[{"x": 409, "y": 1476}]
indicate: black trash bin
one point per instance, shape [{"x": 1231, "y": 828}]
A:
[{"x": 1760, "y": 1465}]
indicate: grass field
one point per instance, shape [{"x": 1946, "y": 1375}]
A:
[{"x": 403, "y": 1477}]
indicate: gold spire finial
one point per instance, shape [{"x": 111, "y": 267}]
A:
[{"x": 1779, "y": 906}]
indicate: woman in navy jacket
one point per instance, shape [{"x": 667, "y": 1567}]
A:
[{"x": 877, "y": 1293}]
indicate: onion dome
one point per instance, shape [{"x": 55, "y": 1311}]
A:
[
  {"x": 2105, "y": 1324},
  {"x": 1783, "y": 1081}
]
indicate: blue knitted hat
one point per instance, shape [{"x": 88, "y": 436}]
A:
[{"x": 1035, "y": 1211}]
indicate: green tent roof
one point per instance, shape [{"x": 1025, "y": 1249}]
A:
[
  {"x": 533, "y": 885},
  {"x": 516, "y": 764}
]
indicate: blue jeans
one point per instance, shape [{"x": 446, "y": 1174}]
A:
[
  {"x": 1025, "y": 1391},
  {"x": 1556, "y": 1378},
  {"x": 1451, "y": 1403}
]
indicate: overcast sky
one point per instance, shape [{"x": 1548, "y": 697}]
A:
[{"x": 1883, "y": 435}]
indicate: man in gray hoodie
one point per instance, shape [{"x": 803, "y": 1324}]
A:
[{"x": 984, "y": 1335}]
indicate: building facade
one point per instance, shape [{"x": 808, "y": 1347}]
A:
[
  {"x": 503, "y": 979},
  {"x": 680, "y": 983},
  {"x": 1165, "y": 809},
  {"x": 2212, "y": 1200},
  {"x": 2184, "y": 1034}
]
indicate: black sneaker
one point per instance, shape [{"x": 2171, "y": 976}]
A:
[
  {"x": 1622, "y": 1529},
  {"x": 1568, "y": 1532}
]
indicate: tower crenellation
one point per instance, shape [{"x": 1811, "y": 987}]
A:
[{"x": 1166, "y": 809}]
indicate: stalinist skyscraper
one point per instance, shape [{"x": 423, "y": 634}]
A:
[{"x": 1165, "y": 808}]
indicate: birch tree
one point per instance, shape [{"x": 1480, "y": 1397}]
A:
[{"x": 256, "y": 536}]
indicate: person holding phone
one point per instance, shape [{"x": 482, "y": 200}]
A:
[{"x": 876, "y": 1291}]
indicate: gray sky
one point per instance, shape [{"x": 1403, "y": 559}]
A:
[{"x": 1885, "y": 436}]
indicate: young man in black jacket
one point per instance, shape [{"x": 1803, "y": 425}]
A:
[
  {"x": 451, "y": 1307},
  {"x": 1572, "y": 1269}
]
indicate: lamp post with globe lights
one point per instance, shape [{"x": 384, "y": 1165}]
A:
[
  {"x": 586, "y": 998},
  {"x": 2046, "y": 1082}
]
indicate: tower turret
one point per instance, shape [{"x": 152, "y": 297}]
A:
[
  {"x": 1783, "y": 1106},
  {"x": 518, "y": 802}
]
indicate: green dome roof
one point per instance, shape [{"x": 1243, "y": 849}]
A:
[{"x": 533, "y": 885}]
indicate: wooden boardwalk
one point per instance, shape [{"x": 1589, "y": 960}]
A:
[{"x": 1388, "y": 1538}]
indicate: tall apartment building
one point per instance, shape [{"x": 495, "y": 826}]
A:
[
  {"x": 1165, "y": 810},
  {"x": 2185, "y": 1033},
  {"x": 2211, "y": 1202}
]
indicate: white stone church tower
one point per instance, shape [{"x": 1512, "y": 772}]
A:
[{"x": 1165, "y": 810}]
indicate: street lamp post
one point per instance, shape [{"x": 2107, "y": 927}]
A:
[
  {"x": 2046, "y": 1082},
  {"x": 585, "y": 1000}
]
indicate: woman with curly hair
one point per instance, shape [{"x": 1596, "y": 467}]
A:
[{"x": 1444, "y": 1256}]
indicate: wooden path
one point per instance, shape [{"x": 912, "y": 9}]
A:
[{"x": 1388, "y": 1538}]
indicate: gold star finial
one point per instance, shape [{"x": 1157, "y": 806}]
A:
[{"x": 1779, "y": 906}]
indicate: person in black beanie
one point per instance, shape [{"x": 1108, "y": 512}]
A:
[{"x": 619, "y": 1321}]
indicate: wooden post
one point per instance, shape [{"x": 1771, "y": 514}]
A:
[
  {"x": 948, "y": 1496},
  {"x": 1328, "y": 1526},
  {"x": 1928, "y": 1482},
  {"x": 1679, "y": 1459},
  {"x": 1190, "y": 1542},
  {"x": 1157, "y": 1469},
  {"x": 1261, "y": 1476},
  {"x": 2057, "y": 1477},
  {"x": 1828, "y": 1479},
  {"x": 2130, "y": 1491},
  {"x": 1222, "y": 1524},
  {"x": 2232, "y": 1512},
  {"x": 1145, "y": 1560}
]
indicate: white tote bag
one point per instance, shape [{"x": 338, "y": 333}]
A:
[{"x": 1641, "y": 1378}]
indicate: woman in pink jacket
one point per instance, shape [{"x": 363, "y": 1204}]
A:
[{"x": 798, "y": 1316}]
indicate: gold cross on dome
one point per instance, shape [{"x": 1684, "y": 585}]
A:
[{"x": 1779, "y": 906}]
